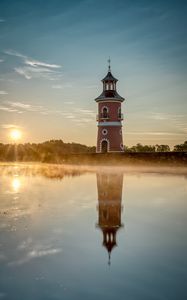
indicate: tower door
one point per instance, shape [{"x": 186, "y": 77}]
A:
[{"x": 104, "y": 147}]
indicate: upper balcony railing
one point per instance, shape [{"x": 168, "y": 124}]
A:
[
  {"x": 103, "y": 117},
  {"x": 120, "y": 116}
]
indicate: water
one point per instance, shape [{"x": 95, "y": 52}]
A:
[{"x": 99, "y": 234}]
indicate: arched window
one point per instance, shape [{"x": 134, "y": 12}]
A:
[{"x": 104, "y": 113}]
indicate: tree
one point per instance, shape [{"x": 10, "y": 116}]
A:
[
  {"x": 142, "y": 148},
  {"x": 162, "y": 148},
  {"x": 181, "y": 147}
]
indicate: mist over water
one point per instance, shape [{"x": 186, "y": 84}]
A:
[{"x": 93, "y": 233}]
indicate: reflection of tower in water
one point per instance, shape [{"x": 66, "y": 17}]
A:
[{"x": 109, "y": 187}]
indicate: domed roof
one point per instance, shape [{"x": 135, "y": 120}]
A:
[
  {"x": 110, "y": 94},
  {"x": 109, "y": 77}
]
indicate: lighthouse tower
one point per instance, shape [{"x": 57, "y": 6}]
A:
[{"x": 109, "y": 118}]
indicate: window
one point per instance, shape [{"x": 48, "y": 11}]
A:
[
  {"x": 104, "y": 113},
  {"x": 104, "y": 131}
]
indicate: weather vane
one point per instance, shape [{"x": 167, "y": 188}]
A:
[{"x": 109, "y": 61}]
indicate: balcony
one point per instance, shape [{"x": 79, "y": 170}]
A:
[
  {"x": 105, "y": 117},
  {"x": 102, "y": 116},
  {"x": 120, "y": 117}
]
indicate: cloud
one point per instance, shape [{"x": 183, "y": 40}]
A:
[
  {"x": 1, "y": 60},
  {"x": 3, "y": 93},
  {"x": 57, "y": 86},
  {"x": 70, "y": 116},
  {"x": 69, "y": 102},
  {"x": 14, "y": 53},
  {"x": 35, "y": 63},
  {"x": 25, "y": 106},
  {"x": 153, "y": 133},
  {"x": 2, "y": 20},
  {"x": 84, "y": 112},
  {"x": 20, "y": 107},
  {"x": 24, "y": 72},
  {"x": 78, "y": 115},
  {"x": 61, "y": 86},
  {"x": 10, "y": 126},
  {"x": 91, "y": 86},
  {"x": 33, "y": 72},
  {"x": 165, "y": 116},
  {"x": 32, "y": 68},
  {"x": 8, "y": 109}
]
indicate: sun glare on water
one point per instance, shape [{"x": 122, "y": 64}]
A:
[
  {"x": 15, "y": 134},
  {"x": 16, "y": 183}
]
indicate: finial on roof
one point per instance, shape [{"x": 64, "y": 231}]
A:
[{"x": 109, "y": 61}]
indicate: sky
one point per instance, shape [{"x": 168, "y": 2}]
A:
[{"x": 53, "y": 55}]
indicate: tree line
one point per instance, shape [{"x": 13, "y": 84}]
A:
[
  {"x": 156, "y": 148},
  {"x": 55, "y": 149},
  {"x": 45, "y": 152}
]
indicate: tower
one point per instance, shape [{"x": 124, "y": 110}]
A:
[
  {"x": 109, "y": 186},
  {"x": 109, "y": 118}
]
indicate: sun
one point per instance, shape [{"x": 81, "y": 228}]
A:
[{"x": 15, "y": 134}]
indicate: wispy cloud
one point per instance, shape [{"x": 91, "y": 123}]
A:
[
  {"x": 3, "y": 93},
  {"x": 35, "y": 63},
  {"x": 23, "y": 72},
  {"x": 69, "y": 102},
  {"x": 78, "y": 115},
  {"x": 84, "y": 112},
  {"x": 70, "y": 116},
  {"x": 159, "y": 133},
  {"x": 14, "y": 53},
  {"x": 62, "y": 86},
  {"x": 91, "y": 86},
  {"x": 165, "y": 116},
  {"x": 2, "y": 20},
  {"x": 10, "y": 126},
  {"x": 32, "y": 68},
  {"x": 1, "y": 60},
  {"x": 26, "y": 106},
  {"x": 8, "y": 109}
]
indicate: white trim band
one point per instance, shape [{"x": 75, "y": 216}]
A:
[{"x": 109, "y": 124}]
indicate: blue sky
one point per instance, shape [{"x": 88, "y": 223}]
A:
[{"x": 53, "y": 55}]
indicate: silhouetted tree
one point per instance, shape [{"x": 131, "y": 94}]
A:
[
  {"x": 142, "y": 148},
  {"x": 162, "y": 148},
  {"x": 181, "y": 147}
]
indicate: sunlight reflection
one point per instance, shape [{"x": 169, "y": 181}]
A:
[{"x": 16, "y": 184}]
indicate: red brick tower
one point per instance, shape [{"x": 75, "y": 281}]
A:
[{"x": 109, "y": 138}]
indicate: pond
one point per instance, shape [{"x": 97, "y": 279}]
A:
[{"x": 83, "y": 233}]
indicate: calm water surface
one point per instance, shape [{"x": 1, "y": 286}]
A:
[{"x": 104, "y": 234}]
